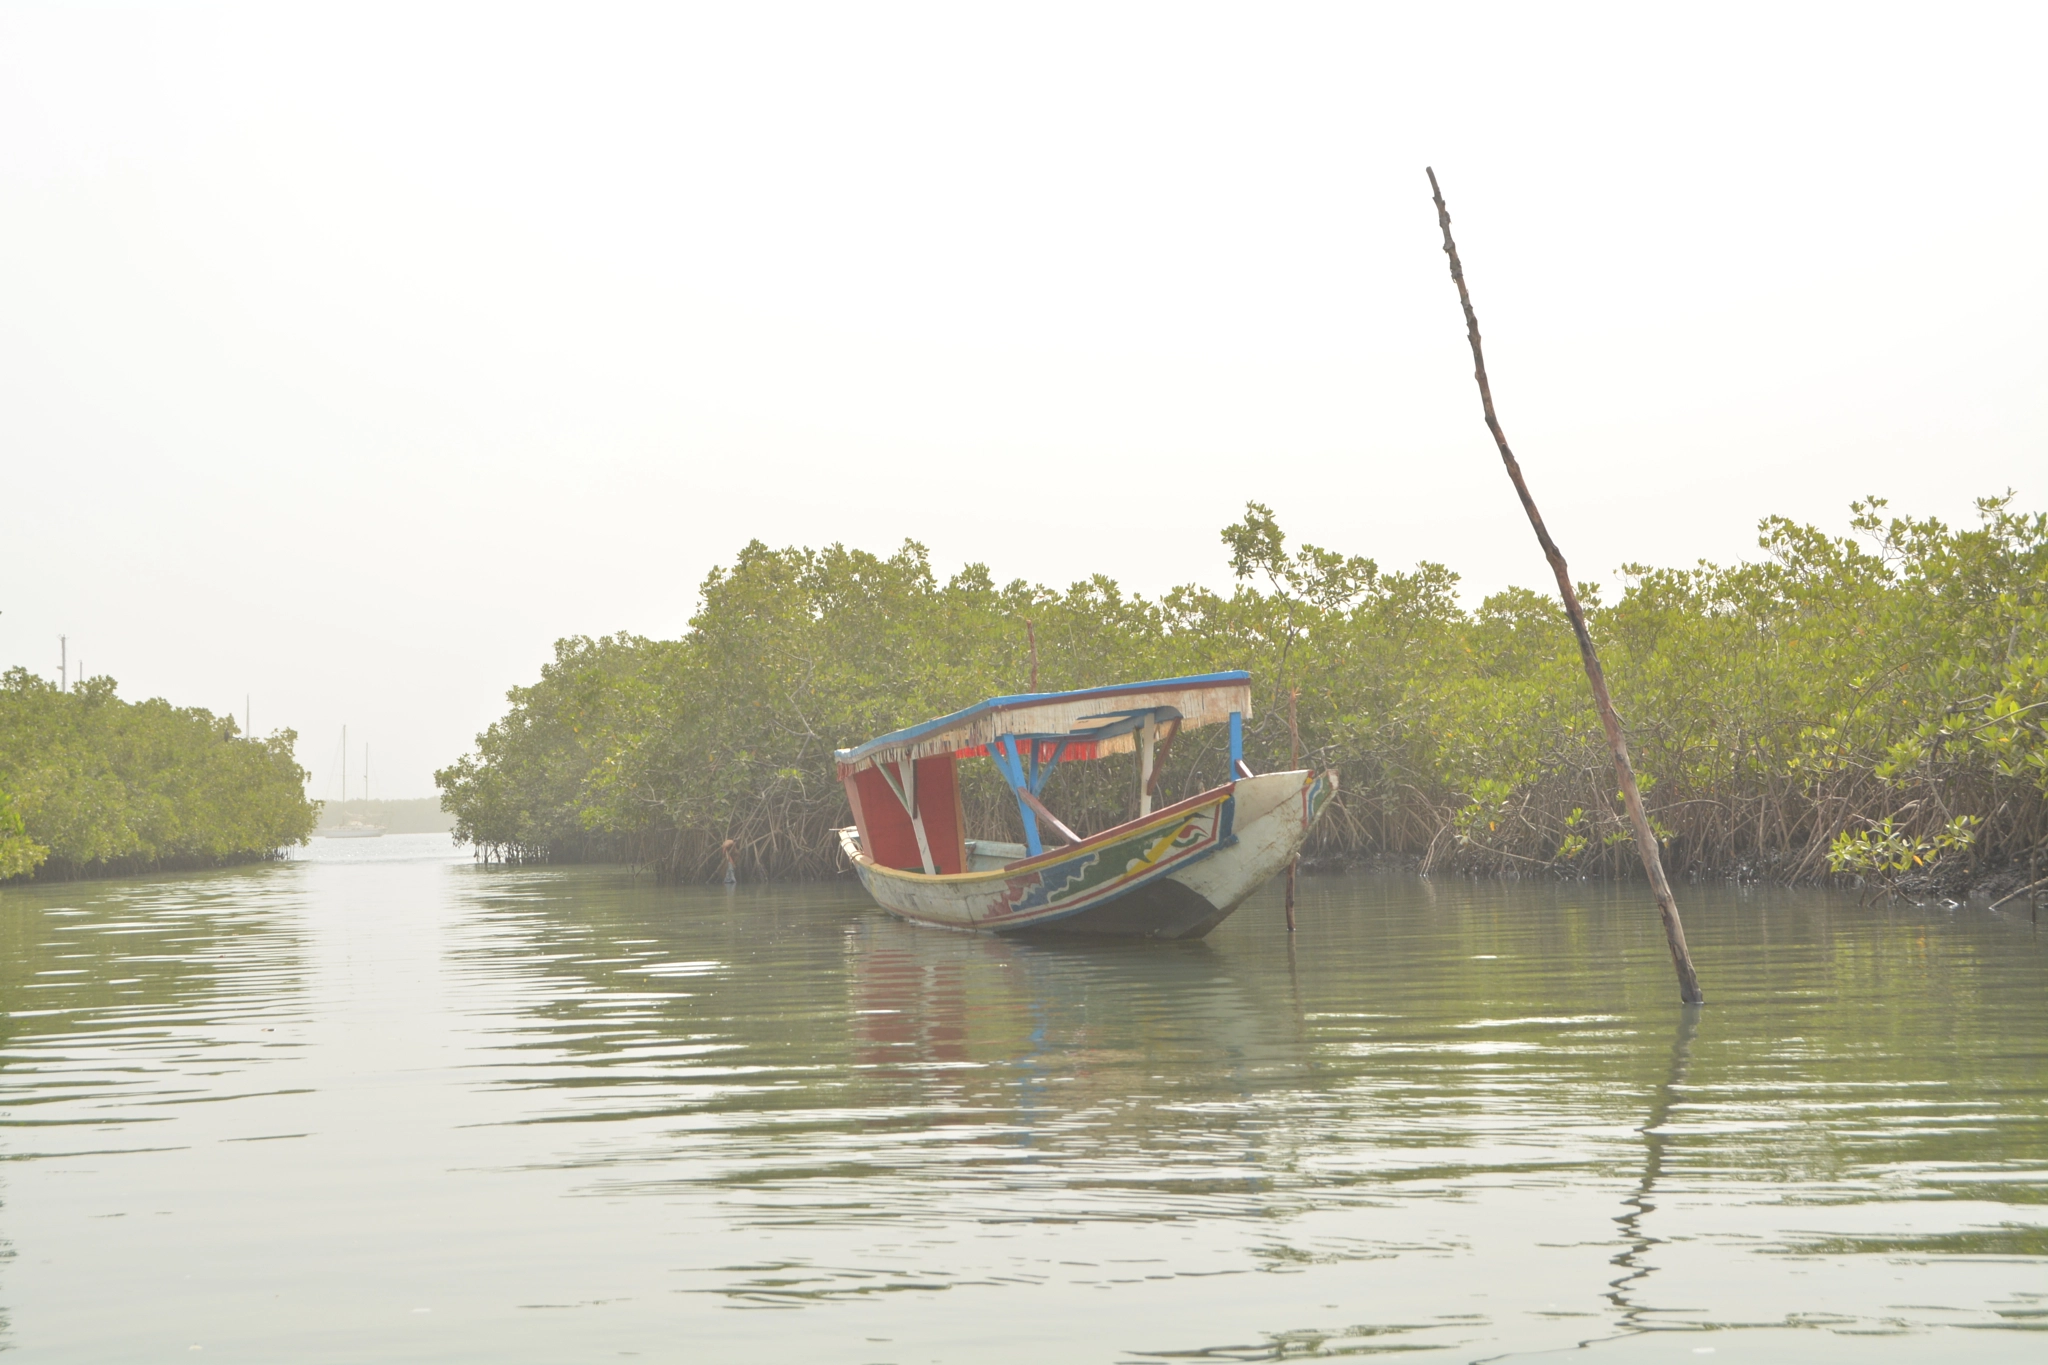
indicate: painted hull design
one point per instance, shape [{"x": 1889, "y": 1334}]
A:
[{"x": 1176, "y": 873}]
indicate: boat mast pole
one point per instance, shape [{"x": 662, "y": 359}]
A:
[{"x": 1646, "y": 841}]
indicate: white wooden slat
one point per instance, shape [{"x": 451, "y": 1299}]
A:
[{"x": 924, "y": 847}]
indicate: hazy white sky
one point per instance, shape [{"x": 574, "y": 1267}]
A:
[{"x": 349, "y": 355}]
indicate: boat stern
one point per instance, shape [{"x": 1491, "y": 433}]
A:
[{"x": 1272, "y": 816}]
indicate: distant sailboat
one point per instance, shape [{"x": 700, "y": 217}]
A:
[{"x": 354, "y": 829}]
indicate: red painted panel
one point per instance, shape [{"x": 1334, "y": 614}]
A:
[
  {"x": 885, "y": 831},
  {"x": 938, "y": 798}
]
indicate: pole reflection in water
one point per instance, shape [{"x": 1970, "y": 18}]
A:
[
  {"x": 549, "y": 1114},
  {"x": 1634, "y": 1257}
]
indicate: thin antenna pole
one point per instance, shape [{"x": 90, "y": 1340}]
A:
[
  {"x": 1031, "y": 629},
  {"x": 1294, "y": 748},
  {"x": 63, "y": 664},
  {"x": 1646, "y": 842},
  {"x": 344, "y": 763}
]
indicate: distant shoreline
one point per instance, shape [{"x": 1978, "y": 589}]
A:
[{"x": 422, "y": 815}]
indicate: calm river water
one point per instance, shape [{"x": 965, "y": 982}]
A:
[{"x": 380, "y": 1104}]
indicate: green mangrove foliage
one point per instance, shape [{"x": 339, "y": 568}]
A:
[
  {"x": 1839, "y": 698},
  {"x": 91, "y": 784}
]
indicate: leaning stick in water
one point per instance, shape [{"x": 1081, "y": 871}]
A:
[
  {"x": 1646, "y": 842},
  {"x": 1294, "y": 748},
  {"x": 2021, "y": 892}
]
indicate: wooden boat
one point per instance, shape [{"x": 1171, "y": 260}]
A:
[{"x": 1173, "y": 872}]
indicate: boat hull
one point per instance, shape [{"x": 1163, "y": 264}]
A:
[{"x": 1175, "y": 874}]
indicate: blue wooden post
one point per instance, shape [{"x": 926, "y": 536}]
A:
[
  {"x": 1236, "y": 742},
  {"x": 1004, "y": 752}
]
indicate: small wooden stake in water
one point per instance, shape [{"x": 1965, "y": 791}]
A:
[
  {"x": 1646, "y": 842},
  {"x": 1294, "y": 748}
]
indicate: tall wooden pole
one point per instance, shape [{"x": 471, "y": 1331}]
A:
[
  {"x": 1646, "y": 842},
  {"x": 1294, "y": 748}
]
